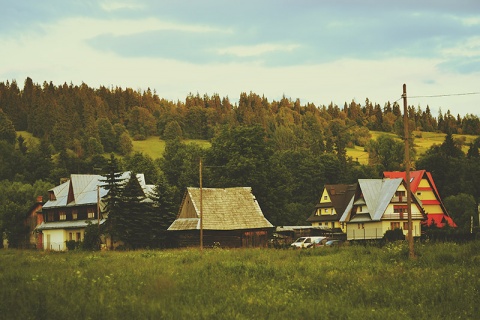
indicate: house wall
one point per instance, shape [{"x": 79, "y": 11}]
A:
[
  {"x": 376, "y": 230},
  {"x": 365, "y": 231},
  {"x": 188, "y": 210},
  {"x": 327, "y": 224},
  {"x": 55, "y": 239},
  {"x": 389, "y": 213},
  {"x": 224, "y": 239}
]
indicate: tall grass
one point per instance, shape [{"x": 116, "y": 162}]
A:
[{"x": 443, "y": 282}]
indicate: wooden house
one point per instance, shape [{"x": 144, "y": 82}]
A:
[
  {"x": 333, "y": 202},
  {"x": 423, "y": 186},
  {"x": 33, "y": 219},
  {"x": 380, "y": 205},
  {"x": 231, "y": 217},
  {"x": 71, "y": 206}
]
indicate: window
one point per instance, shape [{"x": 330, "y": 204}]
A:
[
  {"x": 394, "y": 225},
  {"x": 361, "y": 226},
  {"x": 50, "y": 216},
  {"x": 325, "y": 197},
  {"x": 78, "y": 236},
  {"x": 359, "y": 208},
  {"x": 400, "y": 193},
  {"x": 70, "y": 236},
  {"x": 74, "y": 215},
  {"x": 405, "y": 226},
  {"x": 419, "y": 193},
  {"x": 326, "y": 210},
  {"x": 91, "y": 214},
  {"x": 400, "y": 210},
  {"x": 63, "y": 215}
]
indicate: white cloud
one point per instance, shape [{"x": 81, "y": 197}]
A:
[
  {"x": 110, "y": 6},
  {"x": 256, "y": 50}
]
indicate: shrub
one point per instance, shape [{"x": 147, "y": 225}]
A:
[
  {"x": 394, "y": 235},
  {"x": 71, "y": 245}
]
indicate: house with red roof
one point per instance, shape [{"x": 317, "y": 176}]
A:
[{"x": 424, "y": 188}]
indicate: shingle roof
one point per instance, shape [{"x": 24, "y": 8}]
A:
[
  {"x": 223, "y": 209},
  {"x": 340, "y": 196}
]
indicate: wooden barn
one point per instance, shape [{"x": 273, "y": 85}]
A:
[{"x": 231, "y": 218}]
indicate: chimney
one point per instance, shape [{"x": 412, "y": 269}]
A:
[{"x": 39, "y": 199}]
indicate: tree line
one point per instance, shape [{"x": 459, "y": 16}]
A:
[{"x": 284, "y": 150}]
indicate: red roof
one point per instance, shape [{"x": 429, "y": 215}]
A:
[
  {"x": 440, "y": 220},
  {"x": 415, "y": 178}
]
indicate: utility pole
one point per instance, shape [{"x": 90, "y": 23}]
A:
[
  {"x": 201, "y": 207},
  {"x": 407, "y": 173}
]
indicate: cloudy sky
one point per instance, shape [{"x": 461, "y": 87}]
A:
[{"x": 318, "y": 51}]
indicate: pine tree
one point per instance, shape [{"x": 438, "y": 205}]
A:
[
  {"x": 133, "y": 221},
  {"x": 163, "y": 213},
  {"x": 113, "y": 183}
]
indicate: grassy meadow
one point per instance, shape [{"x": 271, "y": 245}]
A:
[
  {"x": 351, "y": 282},
  {"x": 154, "y": 146}
]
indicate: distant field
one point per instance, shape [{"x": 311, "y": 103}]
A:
[
  {"x": 29, "y": 138},
  {"x": 154, "y": 146},
  {"x": 423, "y": 141}
]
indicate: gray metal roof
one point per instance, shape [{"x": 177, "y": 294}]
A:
[
  {"x": 84, "y": 187},
  {"x": 345, "y": 213},
  {"x": 377, "y": 194},
  {"x": 67, "y": 224},
  {"x": 223, "y": 209}
]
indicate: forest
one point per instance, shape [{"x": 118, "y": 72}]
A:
[{"x": 285, "y": 150}]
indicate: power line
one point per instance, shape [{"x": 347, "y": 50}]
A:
[
  {"x": 445, "y": 95},
  {"x": 439, "y": 95}
]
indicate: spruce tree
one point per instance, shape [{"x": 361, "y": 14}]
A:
[
  {"x": 163, "y": 213},
  {"x": 133, "y": 223},
  {"x": 113, "y": 183}
]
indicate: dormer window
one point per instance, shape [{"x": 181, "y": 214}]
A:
[
  {"x": 51, "y": 196},
  {"x": 91, "y": 214}
]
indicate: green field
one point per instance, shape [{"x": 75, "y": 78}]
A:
[
  {"x": 351, "y": 282},
  {"x": 154, "y": 147}
]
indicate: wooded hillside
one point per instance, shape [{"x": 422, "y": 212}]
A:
[{"x": 285, "y": 150}]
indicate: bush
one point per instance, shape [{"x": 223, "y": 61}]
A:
[
  {"x": 394, "y": 235},
  {"x": 91, "y": 239},
  {"x": 71, "y": 245}
]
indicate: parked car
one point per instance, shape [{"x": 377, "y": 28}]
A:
[
  {"x": 318, "y": 242},
  {"x": 333, "y": 243},
  {"x": 307, "y": 242}
]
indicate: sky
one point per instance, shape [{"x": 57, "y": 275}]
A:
[{"x": 317, "y": 51}]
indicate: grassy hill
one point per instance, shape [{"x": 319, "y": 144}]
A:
[{"x": 154, "y": 146}]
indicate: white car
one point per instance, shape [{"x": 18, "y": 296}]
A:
[{"x": 307, "y": 242}]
